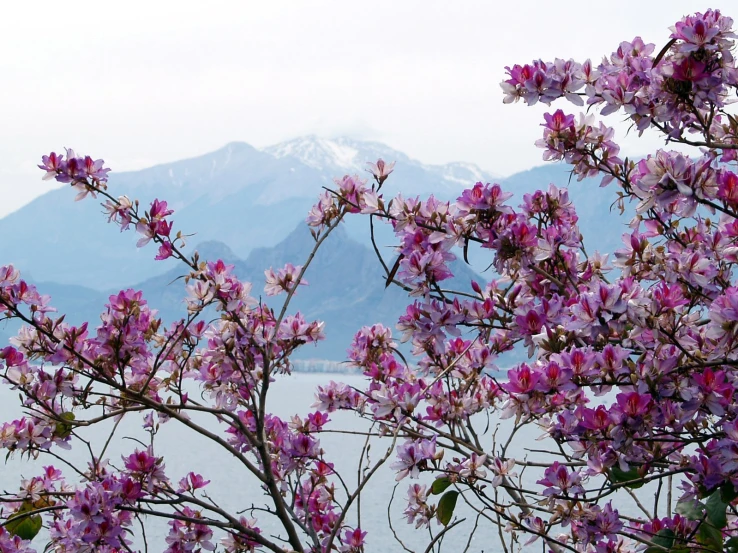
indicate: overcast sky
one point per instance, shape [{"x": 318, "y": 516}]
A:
[{"x": 139, "y": 83}]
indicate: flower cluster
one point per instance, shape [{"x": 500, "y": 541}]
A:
[
  {"x": 630, "y": 363},
  {"x": 131, "y": 363},
  {"x": 86, "y": 175},
  {"x": 674, "y": 90},
  {"x": 630, "y": 372}
]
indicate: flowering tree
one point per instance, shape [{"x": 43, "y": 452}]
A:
[{"x": 632, "y": 371}]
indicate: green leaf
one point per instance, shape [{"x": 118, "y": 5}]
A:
[
  {"x": 619, "y": 476},
  {"x": 64, "y": 427},
  {"x": 710, "y": 537},
  {"x": 728, "y": 493},
  {"x": 693, "y": 510},
  {"x": 446, "y": 507},
  {"x": 716, "y": 510},
  {"x": 664, "y": 538},
  {"x": 24, "y": 526},
  {"x": 440, "y": 485}
]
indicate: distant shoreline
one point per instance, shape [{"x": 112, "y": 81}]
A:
[{"x": 324, "y": 366}]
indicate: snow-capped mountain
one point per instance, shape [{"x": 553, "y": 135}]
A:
[
  {"x": 241, "y": 196},
  {"x": 340, "y": 155},
  {"x": 347, "y": 156},
  {"x": 245, "y": 197}
]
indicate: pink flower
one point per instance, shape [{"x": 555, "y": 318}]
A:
[
  {"x": 53, "y": 164},
  {"x": 523, "y": 380},
  {"x": 558, "y": 121},
  {"x": 559, "y": 480},
  {"x": 283, "y": 280},
  {"x": 473, "y": 467},
  {"x": 192, "y": 482},
  {"x": 165, "y": 251},
  {"x": 381, "y": 170},
  {"x": 413, "y": 456},
  {"x": 94, "y": 169},
  {"x": 353, "y": 541}
]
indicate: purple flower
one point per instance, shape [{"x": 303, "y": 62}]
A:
[
  {"x": 53, "y": 164},
  {"x": 559, "y": 480},
  {"x": 381, "y": 170},
  {"x": 413, "y": 456},
  {"x": 283, "y": 280}
]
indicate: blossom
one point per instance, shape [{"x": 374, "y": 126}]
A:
[
  {"x": 413, "y": 455},
  {"x": 381, "y": 170},
  {"x": 353, "y": 541},
  {"x": 473, "y": 467},
  {"x": 165, "y": 251},
  {"x": 192, "y": 482},
  {"x": 417, "y": 511},
  {"x": 502, "y": 469},
  {"x": 53, "y": 164},
  {"x": 283, "y": 280},
  {"x": 559, "y": 480},
  {"x": 630, "y": 368}
]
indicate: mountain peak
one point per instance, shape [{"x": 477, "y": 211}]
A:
[
  {"x": 210, "y": 250},
  {"x": 236, "y": 147},
  {"x": 319, "y": 153},
  {"x": 340, "y": 154}
]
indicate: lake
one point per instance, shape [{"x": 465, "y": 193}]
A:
[{"x": 233, "y": 489}]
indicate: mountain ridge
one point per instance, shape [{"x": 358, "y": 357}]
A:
[
  {"x": 245, "y": 204},
  {"x": 242, "y": 196},
  {"x": 238, "y": 194},
  {"x": 346, "y": 289}
]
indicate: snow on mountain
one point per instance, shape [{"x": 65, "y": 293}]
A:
[
  {"x": 337, "y": 156},
  {"x": 344, "y": 155},
  {"x": 319, "y": 153},
  {"x": 239, "y": 195},
  {"x": 463, "y": 173}
]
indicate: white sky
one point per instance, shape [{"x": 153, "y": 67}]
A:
[{"x": 144, "y": 82}]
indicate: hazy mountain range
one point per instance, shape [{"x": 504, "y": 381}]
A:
[{"x": 247, "y": 206}]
